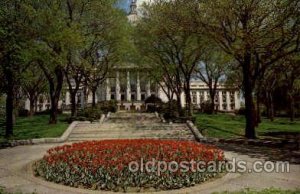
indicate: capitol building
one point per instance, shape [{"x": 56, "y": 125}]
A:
[{"x": 131, "y": 85}]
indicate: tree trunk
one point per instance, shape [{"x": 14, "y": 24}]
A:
[
  {"x": 32, "y": 103},
  {"x": 94, "y": 98},
  {"x": 53, "y": 110},
  {"x": 9, "y": 110},
  {"x": 55, "y": 94},
  {"x": 249, "y": 105},
  {"x": 271, "y": 107},
  {"x": 292, "y": 108},
  {"x": 188, "y": 102},
  {"x": 73, "y": 104},
  {"x": 258, "y": 114},
  {"x": 212, "y": 104}
]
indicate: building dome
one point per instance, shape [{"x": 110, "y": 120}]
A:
[{"x": 133, "y": 15}]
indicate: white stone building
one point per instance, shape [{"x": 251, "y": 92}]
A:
[{"x": 130, "y": 86}]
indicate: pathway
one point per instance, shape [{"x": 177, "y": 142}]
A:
[
  {"x": 130, "y": 126},
  {"x": 16, "y": 173}
]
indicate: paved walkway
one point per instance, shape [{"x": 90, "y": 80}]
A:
[{"x": 16, "y": 174}]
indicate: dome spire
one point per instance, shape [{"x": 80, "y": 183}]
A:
[{"x": 133, "y": 7}]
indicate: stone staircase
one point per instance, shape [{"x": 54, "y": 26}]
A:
[{"x": 129, "y": 126}]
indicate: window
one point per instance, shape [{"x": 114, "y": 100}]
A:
[
  {"x": 143, "y": 97},
  {"x": 194, "y": 97}
]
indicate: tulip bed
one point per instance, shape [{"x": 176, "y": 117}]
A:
[{"x": 104, "y": 165}]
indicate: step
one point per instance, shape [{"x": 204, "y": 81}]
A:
[{"x": 112, "y": 138}]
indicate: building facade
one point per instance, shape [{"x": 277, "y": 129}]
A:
[{"x": 130, "y": 87}]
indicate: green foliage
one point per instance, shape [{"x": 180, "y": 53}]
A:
[
  {"x": 241, "y": 111},
  {"x": 206, "y": 107},
  {"x": 88, "y": 114},
  {"x": 108, "y": 106},
  {"x": 165, "y": 36},
  {"x": 169, "y": 110},
  {"x": 153, "y": 100},
  {"x": 153, "y": 103}
]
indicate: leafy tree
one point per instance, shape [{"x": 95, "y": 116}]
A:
[
  {"x": 107, "y": 37},
  {"x": 14, "y": 38},
  {"x": 291, "y": 73},
  {"x": 54, "y": 38},
  {"x": 257, "y": 33},
  {"x": 169, "y": 39},
  {"x": 212, "y": 71},
  {"x": 33, "y": 85}
]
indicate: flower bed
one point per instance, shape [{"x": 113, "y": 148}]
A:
[{"x": 113, "y": 164}]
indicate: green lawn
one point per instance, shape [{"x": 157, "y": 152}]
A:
[
  {"x": 230, "y": 126},
  {"x": 37, "y": 127}
]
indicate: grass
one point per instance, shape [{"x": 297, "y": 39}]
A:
[
  {"x": 2, "y": 191},
  {"x": 231, "y": 126},
  {"x": 37, "y": 127},
  {"x": 265, "y": 191}
]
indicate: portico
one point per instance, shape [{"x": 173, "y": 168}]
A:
[{"x": 129, "y": 87}]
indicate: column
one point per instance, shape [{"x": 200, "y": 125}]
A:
[
  {"x": 67, "y": 99},
  {"x": 228, "y": 100},
  {"x": 118, "y": 88},
  {"x": 205, "y": 96},
  {"x": 148, "y": 88},
  {"x": 108, "y": 92},
  {"x": 220, "y": 100},
  {"x": 237, "y": 103},
  {"x": 138, "y": 88},
  {"x": 198, "y": 98},
  {"x": 128, "y": 88},
  {"x": 27, "y": 104},
  {"x": 183, "y": 100}
]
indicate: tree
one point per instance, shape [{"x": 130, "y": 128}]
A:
[
  {"x": 257, "y": 33},
  {"x": 212, "y": 70},
  {"x": 14, "y": 38},
  {"x": 33, "y": 84},
  {"x": 291, "y": 72},
  {"x": 54, "y": 37},
  {"x": 107, "y": 36},
  {"x": 169, "y": 39}
]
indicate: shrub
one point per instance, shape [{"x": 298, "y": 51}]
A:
[
  {"x": 168, "y": 111},
  {"x": 153, "y": 100},
  {"x": 108, "y": 106},
  {"x": 151, "y": 108},
  {"x": 23, "y": 112},
  {"x": 47, "y": 112},
  {"x": 206, "y": 107},
  {"x": 88, "y": 114},
  {"x": 153, "y": 104},
  {"x": 241, "y": 111},
  {"x": 104, "y": 165}
]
